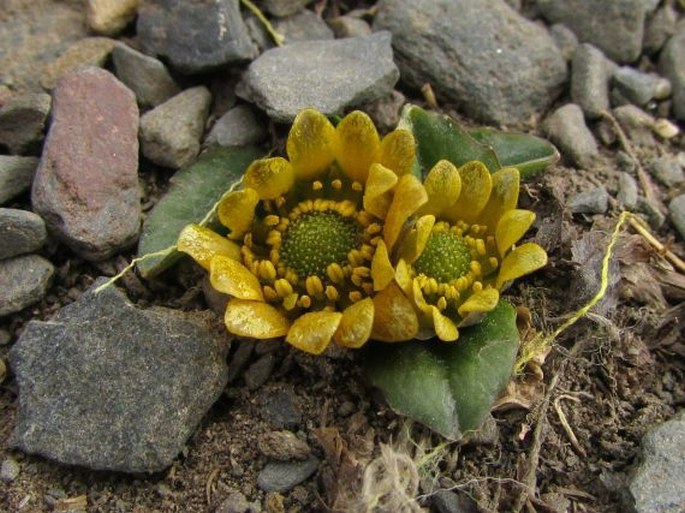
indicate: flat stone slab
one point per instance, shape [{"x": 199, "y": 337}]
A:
[
  {"x": 109, "y": 386},
  {"x": 86, "y": 186},
  {"x": 493, "y": 63},
  {"x": 326, "y": 75}
]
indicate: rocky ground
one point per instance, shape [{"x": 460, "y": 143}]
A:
[{"x": 145, "y": 404}]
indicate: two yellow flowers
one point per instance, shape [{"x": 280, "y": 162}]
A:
[{"x": 341, "y": 242}]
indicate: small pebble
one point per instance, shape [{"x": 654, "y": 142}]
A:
[
  {"x": 665, "y": 128},
  {"x": 594, "y": 201},
  {"x": 283, "y": 446},
  {"x": 236, "y": 502},
  {"x": 349, "y": 26},
  {"x": 303, "y": 26},
  {"x": 239, "y": 359},
  {"x": 590, "y": 72},
  {"x": 238, "y": 127},
  {"x": 637, "y": 124},
  {"x": 24, "y": 280},
  {"x": 627, "y": 191},
  {"x": 3, "y": 370},
  {"x": 279, "y": 408},
  {"x": 22, "y": 232},
  {"x": 640, "y": 88},
  {"x": 659, "y": 26},
  {"x": 676, "y": 209},
  {"x": 652, "y": 212},
  {"x": 385, "y": 111},
  {"x": 16, "y": 174},
  {"x": 90, "y": 51},
  {"x": 566, "y": 127},
  {"x": 110, "y": 16},
  {"x": 9, "y": 470},
  {"x": 5, "y": 337},
  {"x": 258, "y": 373},
  {"x": 666, "y": 170},
  {"x": 565, "y": 40},
  {"x": 281, "y": 476},
  {"x": 22, "y": 122}
]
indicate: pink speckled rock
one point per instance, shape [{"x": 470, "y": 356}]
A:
[{"x": 86, "y": 185}]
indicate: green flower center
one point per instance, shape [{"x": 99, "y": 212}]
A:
[
  {"x": 317, "y": 239},
  {"x": 445, "y": 258}
]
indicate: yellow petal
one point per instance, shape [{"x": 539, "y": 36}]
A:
[
  {"x": 236, "y": 211},
  {"x": 476, "y": 184},
  {"x": 413, "y": 244},
  {"x": 403, "y": 277},
  {"x": 503, "y": 197},
  {"x": 356, "y": 323},
  {"x": 511, "y": 227},
  {"x": 443, "y": 326},
  {"x": 377, "y": 195},
  {"x": 443, "y": 185},
  {"x": 231, "y": 277},
  {"x": 203, "y": 244},
  {"x": 398, "y": 151},
  {"x": 521, "y": 261},
  {"x": 409, "y": 196},
  {"x": 271, "y": 178},
  {"x": 312, "y": 331},
  {"x": 394, "y": 317},
  {"x": 382, "y": 271},
  {"x": 255, "y": 319},
  {"x": 358, "y": 145},
  {"x": 310, "y": 144},
  {"x": 484, "y": 301}
]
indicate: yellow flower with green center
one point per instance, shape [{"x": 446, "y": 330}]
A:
[
  {"x": 460, "y": 249},
  {"x": 306, "y": 256}
]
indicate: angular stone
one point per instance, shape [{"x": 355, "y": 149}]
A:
[
  {"x": 565, "y": 39},
  {"x": 195, "y": 36},
  {"x": 21, "y": 232},
  {"x": 627, "y": 191},
  {"x": 656, "y": 485},
  {"x": 106, "y": 385},
  {"x": 283, "y": 446},
  {"x": 303, "y": 26},
  {"x": 170, "y": 133},
  {"x": 667, "y": 170},
  {"x": 659, "y": 27},
  {"x": 494, "y": 64},
  {"x": 281, "y": 476},
  {"x": 146, "y": 76},
  {"x": 111, "y": 16},
  {"x": 638, "y": 124},
  {"x": 338, "y": 74},
  {"x": 672, "y": 66},
  {"x": 676, "y": 210},
  {"x": 640, "y": 88},
  {"x": 238, "y": 127},
  {"x": 22, "y": 122},
  {"x": 590, "y": 73},
  {"x": 91, "y": 51},
  {"x": 594, "y": 201},
  {"x": 86, "y": 186},
  {"x": 617, "y": 28},
  {"x": 282, "y": 8},
  {"x": 349, "y": 26},
  {"x": 567, "y": 129},
  {"x": 16, "y": 174},
  {"x": 24, "y": 280}
]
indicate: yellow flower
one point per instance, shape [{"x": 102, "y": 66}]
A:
[
  {"x": 461, "y": 249},
  {"x": 307, "y": 256}
]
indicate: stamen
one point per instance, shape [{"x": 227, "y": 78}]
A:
[
  {"x": 355, "y": 296},
  {"x": 317, "y": 185},
  {"x": 283, "y": 287},
  {"x": 335, "y": 273},
  {"x": 477, "y": 286},
  {"x": 332, "y": 293},
  {"x": 356, "y": 186},
  {"x": 290, "y": 301},
  {"x": 304, "y": 301},
  {"x": 442, "y": 303},
  {"x": 314, "y": 286},
  {"x": 267, "y": 270},
  {"x": 272, "y": 220},
  {"x": 336, "y": 184},
  {"x": 270, "y": 294}
]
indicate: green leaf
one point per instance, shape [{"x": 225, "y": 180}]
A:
[
  {"x": 439, "y": 137},
  {"x": 449, "y": 387},
  {"x": 528, "y": 153},
  {"x": 193, "y": 192}
]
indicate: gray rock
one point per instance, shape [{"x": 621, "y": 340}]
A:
[
  {"x": 195, "y": 37},
  {"x": 281, "y": 476},
  {"x": 303, "y": 26},
  {"x": 637, "y": 124},
  {"x": 385, "y": 112},
  {"x": 22, "y": 122},
  {"x": 676, "y": 210},
  {"x": 279, "y": 408},
  {"x": 146, "y": 76},
  {"x": 627, "y": 191},
  {"x": 240, "y": 358},
  {"x": 258, "y": 373},
  {"x": 659, "y": 27},
  {"x": 590, "y": 73},
  {"x": 617, "y": 28},
  {"x": 672, "y": 66},
  {"x": 640, "y": 88},
  {"x": 337, "y": 73},
  {"x": 86, "y": 186},
  {"x": 16, "y": 174},
  {"x": 5, "y": 337},
  {"x": 283, "y": 8},
  {"x": 170, "y": 133},
  {"x": 236, "y": 502},
  {"x": 657, "y": 484},
  {"x": 565, "y": 39},
  {"x": 9, "y": 470},
  {"x": 239, "y": 126},
  {"x": 24, "y": 280},
  {"x": 283, "y": 446},
  {"x": 84, "y": 53},
  {"x": 666, "y": 170},
  {"x": 156, "y": 371},
  {"x": 594, "y": 201},
  {"x": 567, "y": 129},
  {"x": 494, "y": 64},
  {"x": 349, "y": 26},
  {"x": 446, "y": 501},
  {"x": 21, "y": 232}
]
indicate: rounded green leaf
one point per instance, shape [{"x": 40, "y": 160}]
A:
[{"x": 449, "y": 387}]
